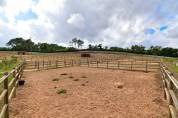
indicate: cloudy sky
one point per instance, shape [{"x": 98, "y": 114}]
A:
[{"x": 110, "y": 22}]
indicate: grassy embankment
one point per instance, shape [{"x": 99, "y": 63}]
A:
[{"x": 7, "y": 64}]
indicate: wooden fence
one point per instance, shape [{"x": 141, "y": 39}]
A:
[
  {"x": 8, "y": 85},
  {"x": 86, "y": 62},
  {"x": 170, "y": 85}
]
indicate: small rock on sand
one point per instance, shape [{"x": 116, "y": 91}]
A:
[{"x": 119, "y": 85}]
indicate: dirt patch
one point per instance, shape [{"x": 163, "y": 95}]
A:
[{"x": 93, "y": 97}]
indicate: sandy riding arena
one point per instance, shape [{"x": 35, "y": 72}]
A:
[{"x": 80, "y": 92}]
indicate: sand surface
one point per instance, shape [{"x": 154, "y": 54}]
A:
[{"x": 91, "y": 93}]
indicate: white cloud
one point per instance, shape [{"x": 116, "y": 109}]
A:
[
  {"x": 111, "y": 22},
  {"x": 76, "y": 20},
  {"x": 13, "y": 7}
]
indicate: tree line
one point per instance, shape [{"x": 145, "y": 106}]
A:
[
  {"x": 20, "y": 44},
  {"x": 138, "y": 49}
]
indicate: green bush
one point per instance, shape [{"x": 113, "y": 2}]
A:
[{"x": 61, "y": 91}]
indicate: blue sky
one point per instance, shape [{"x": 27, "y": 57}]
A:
[
  {"x": 110, "y": 22},
  {"x": 150, "y": 31},
  {"x": 26, "y": 16},
  {"x": 163, "y": 28}
]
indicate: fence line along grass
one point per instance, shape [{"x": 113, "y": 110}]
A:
[
  {"x": 170, "y": 85},
  {"x": 8, "y": 88}
]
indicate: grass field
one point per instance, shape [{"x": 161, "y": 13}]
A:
[{"x": 172, "y": 63}]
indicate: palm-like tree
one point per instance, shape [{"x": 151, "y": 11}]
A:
[
  {"x": 75, "y": 41},
  {"x": 80, "y": 43}
]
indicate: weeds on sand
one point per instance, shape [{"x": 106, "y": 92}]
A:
[
  {"x": 61, "y": 91},
  {"x": 76, "y": 79},
  {"x": 55, "y": 79}
]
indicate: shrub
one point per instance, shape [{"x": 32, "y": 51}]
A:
[
  {"x": 55, "y": 79},
  {"x": 61, "y": 91},
  {"x": 76, "y": 79}
]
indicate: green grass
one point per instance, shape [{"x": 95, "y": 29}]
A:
[
  {"x": 171, "y": 60},
  {"x": 171, "y": 65},
  {"x": 7, "y": 65}
]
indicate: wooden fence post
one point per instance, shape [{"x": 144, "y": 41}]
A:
[
  {"x": 97, "y": 63},
  {"x": 131, "y": 65},
  {"x": 50, "y": 63},
  {"x": 6, "y": 98},
  {"x": 146, "y": 67},
  {"x": 47, "y": 65},
  {"x": 38, "y": 65},
  {"x": 72, "y": 62},
  {"x": 118, "y": 65},
  {"x": 14, "y": 84},
  {"x": 64, "y": 63},
  {"x": 56, "y": 63},
  {"x": 35, "y": 64},
  {"x": 43, "y": 64},
  {"x": 88, "y": 62},
  {"x": 107, "y": 64}
]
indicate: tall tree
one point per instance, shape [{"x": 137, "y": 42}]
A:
[
  {"x": 80, "y": 43},
  {"x": 17, "y": 44},
  {"x": 155, "y": 50},
  {"x": 75, "y": 41},
  {"x": 90, "y": 47},
  {"x": 138, "y": 49},
  {"x": 100, "y": 46},
  {"x": 29, "y": 45}
]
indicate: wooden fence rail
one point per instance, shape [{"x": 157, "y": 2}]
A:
[
  {"x": 170, "y": 85},
  {"x": 8, "y": 85},
  {"x": 109, "y": 64}
]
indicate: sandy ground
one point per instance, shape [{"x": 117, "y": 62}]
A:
[{"x": 91, "y": 93}]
